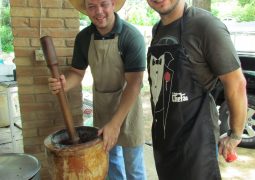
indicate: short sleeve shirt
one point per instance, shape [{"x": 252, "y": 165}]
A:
[
  {"x": 131, "y": 45},
  {"x": 207, "y": 42}
]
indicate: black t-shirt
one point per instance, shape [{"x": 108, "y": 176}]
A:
[{"x": 207, "y": 42}]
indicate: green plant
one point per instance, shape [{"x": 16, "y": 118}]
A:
[
  {"x": 143, "y": 16},
  {"x": 84, "y": 18},
  {"x": 245, "y": 13},
  {"x": 6, "y": 16},
  {"x": 6, "y": 38},
  {"x": 245, "y": 2},
  {"x": 215, "y": 12}
]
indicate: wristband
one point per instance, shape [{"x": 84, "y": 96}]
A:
[{"x": 233, "y": 135}]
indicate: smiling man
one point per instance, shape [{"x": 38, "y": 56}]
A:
[
  {"x": 115, "y": 52},
  {"x": 190, "y": 51}
]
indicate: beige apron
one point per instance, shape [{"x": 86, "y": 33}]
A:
[{"x": 108, "y": 74}]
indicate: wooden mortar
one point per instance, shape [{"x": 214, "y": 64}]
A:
[{"x": 72, "y": 153}]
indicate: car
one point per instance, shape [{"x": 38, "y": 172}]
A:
[{"x": 229, "y": 20}]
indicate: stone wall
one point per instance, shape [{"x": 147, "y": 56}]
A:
[{"x": 40, "y": 112}]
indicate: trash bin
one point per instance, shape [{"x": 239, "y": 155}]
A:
[{"x": 19, "y": 166}]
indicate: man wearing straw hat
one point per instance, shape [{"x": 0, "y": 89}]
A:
[{"x": 115, "y": 52}]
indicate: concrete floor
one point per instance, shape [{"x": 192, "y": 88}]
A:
[
  {"x": 242, "y": 169},
  {"x": 149, "y": 163},
  {"x": 9, "y": 145}
]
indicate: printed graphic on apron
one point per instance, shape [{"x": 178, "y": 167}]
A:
[{"x": 161, "y": 78}]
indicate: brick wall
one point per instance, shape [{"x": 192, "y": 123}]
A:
[{"x": 40, "y": 110}]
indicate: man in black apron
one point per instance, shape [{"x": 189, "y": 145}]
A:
[
  {"x": 115, "y": 52},
  {"x": 189, "y": 51}
]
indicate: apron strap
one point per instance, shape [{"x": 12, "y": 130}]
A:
[{"x": 185, "y": 12}]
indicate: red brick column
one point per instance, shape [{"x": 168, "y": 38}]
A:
[{"x": 40, "y": 112}]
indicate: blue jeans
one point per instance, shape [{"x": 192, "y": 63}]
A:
[{"x": 126, "y": 163}]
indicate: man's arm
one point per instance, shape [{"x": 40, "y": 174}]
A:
[
  {"x": 234, "y": 84},
  {"x": 73, "y": 79},
  {"x": 112, "y": 129}
]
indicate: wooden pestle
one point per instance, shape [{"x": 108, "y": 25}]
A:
[{"x": 52, "y": 63}]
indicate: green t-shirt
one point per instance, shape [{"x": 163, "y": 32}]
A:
[
  {"x": 131, "y": 45},
  {"x": 207, "y": 42}
]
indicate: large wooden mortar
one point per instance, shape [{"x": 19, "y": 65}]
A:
[
  {"x": 72, "y": 153},
  {"x": 86, "y": 160}
]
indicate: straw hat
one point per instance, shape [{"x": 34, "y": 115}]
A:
[{"x": 80, "y": 5}]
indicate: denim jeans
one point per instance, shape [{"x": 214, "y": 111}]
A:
[{"x": 126, "y": 163}]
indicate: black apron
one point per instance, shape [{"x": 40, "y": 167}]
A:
[{"x": 182, "y": 130}]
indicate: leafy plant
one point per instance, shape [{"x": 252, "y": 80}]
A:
[
  {"x": 245, "y": 2},
  {"x": 215, "y": 12},
  {"x": 142, "y": 16},
  {"x": 84, "y": 18},
  {"x": 6, "y": 31},
  {"x": 246, "y": 13},
  {"x": 6, "y": 39},
  {"x": 6, "y": 16}
]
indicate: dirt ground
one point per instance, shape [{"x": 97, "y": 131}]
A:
[{"x": 241, "y": 169}]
